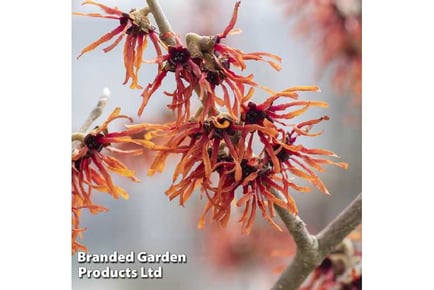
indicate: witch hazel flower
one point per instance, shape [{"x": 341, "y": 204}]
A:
[
  {"x": 177, "y": 60},
  {"x": 92, "y": 166},
  {"x": 136, "y": 28},
  {"x": 280, "y": 148}
]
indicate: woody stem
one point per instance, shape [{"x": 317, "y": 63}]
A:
[
  {"x": 96, "y": 112},
  {"x": 166, "y": 34},
  {"x": 312, "y": 249},
  {"x": 78, "y": 137}
]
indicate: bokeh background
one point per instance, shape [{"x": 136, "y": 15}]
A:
[{"x": 148, "y": 221}]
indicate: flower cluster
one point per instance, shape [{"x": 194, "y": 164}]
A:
[
  {"x": 201, "y": 65},
  {"x": 335, "y": 27},
  {"x": 236, "y": 151},
  {"x": 218, "y": 156}
]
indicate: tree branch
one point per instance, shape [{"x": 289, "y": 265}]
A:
[
  {"x": 162, "y": 22},
  {"x": 306, "y": 257},
  {"x": 311, "y": 250},
  {"x": 341, "y": 226},
  {"x": 97, "y": 111},
  {"x": 295, "y": 226},
  {"x": 78, "y": 137}
]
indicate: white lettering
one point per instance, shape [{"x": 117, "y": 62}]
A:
[
  {"x": 81, "y": 257},
  {"x": 146, "y": 273},
  {"x": 81, "y": 271},
  {"x": 144, "y": 257},
  {"x": 115, "y": 257}
]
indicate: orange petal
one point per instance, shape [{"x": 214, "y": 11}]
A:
[
  {"x": 232, "y": 22},
  {"x": 118, "y": 40},
  {"x": 108, "y": 10},
  {"x": 303, "y": 88},
  {"x": 106, "y": 37}
]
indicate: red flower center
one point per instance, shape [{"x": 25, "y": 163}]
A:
[
  {"x": 247, "y": 169},
  {"x": 93, "y": 142},
  {"x": 178, "y": 55},
  {"x": 215, "y": 77},
  {"x": 255, "y": 115},
  {"x": 284, "y": 154}
]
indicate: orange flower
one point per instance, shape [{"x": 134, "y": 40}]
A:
[
  {"x": 136, "y": 27},
  {"x": 179, "y": 61},
  {"x": 90, "y": 171},
  {"x": 281, "y": 152},
  {"x": 256, "y": 182}
]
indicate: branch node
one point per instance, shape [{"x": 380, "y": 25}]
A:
[{"x": 311, "y": 250}]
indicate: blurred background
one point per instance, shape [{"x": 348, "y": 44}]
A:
[{"x": 148, "y": 221}]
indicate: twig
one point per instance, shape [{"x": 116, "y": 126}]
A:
[
  {"x": 97, "y": 111},
  {"x": 311, "y": 250},
  {"x": 162, "y": 22},
  {"x": 341, "y": 226},
  {"x": 78, "y": 137}
]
